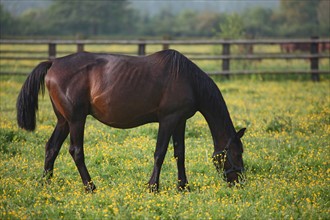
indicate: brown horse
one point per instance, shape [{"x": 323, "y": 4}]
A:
[{"x": 125, "y": 92}]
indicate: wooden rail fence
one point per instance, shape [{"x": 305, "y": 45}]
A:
[{"x": 313, "y": 52}]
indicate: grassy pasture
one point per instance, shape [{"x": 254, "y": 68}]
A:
[{"x": 286, "y": 157}]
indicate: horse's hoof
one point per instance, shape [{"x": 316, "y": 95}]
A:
[
  {"x": 46, "y": 178},
  {"x": 47, "y": 175},
  {"x": 184, "y": 188},
  {"x": 90, "y": 187},
  {"x": 45, "y": 182},
  {"x": 153, "y": 188}
]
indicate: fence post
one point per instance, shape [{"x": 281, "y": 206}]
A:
[
  {"x": 141, "y": 49},
  {"x": 51, "y": 51},
  {"x": 225, "y": 60},
  {"x": 314, "y": 60},
  {"x": 80, "y": 47},
  {"x": 166, "y": 46}
]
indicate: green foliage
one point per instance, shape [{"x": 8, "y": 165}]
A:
[
  {"x": 285, "y": 154},
  {"x": 292, "y": 11},
  {"x": 323, "y": 15},
  {"x": 232, "y": 28},
  {"x": 83, "y": 18},
  {"x": 7, "y": 22},
  {"x": 89, "y": 17},
  {"x": 79, "y": 18},
  {"x": 302, "y": 18},
  {"x": 259, "y": 22}
]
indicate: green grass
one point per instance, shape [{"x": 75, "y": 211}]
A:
[{"x": 286, "y": 156}]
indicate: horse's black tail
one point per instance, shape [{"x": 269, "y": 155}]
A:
[{"x": 27, "y": 101}]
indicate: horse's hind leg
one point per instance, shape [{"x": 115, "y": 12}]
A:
[
  {"x": 54, "y": 144},
  {"x": 179, "y": 155},
  {"x": 77, "y": 152}
]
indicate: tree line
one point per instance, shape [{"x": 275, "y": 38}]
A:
[{"x": 86, "y": 19}]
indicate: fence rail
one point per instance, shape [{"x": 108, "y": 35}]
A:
[
  {"x": 314, "y": 50},
  {"x": 169, "y": 42}
]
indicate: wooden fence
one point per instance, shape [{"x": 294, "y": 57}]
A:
[{"x": 311, "y": 51}]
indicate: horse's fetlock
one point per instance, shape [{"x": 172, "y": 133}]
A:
[
  {"x": 90, "y": 187},
  {"x": 153, "y": 188},
  {"x": 47, "y": 174}
]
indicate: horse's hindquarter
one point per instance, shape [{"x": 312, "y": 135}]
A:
[{"x": 67, "y": 83}]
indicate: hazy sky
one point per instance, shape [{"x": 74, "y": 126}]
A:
[{"x": 154, "y": 6}]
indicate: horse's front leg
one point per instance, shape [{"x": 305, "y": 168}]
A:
[
  {"x": 77, "y": 153},
  {"x": 164, "y": 134},
  {"x": 53, "y": 146},
  {"x": 179, "y": 155}
]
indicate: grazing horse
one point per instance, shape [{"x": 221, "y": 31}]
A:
[{"x": 126, "y": 92}]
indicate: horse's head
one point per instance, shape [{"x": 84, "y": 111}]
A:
[{"x": 230, "y": 161}]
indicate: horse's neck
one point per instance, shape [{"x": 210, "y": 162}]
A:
[{"x": 219, "y": 121}]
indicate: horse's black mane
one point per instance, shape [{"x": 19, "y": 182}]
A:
[
  {"x": 181, "y": 66},
  {"x": 206, "y": 91}
]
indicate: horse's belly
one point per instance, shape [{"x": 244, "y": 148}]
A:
[
  {"x": 124, "y": 114},
  {"x": 129, "y": 123},
  {"x": 125, "y": 121}
]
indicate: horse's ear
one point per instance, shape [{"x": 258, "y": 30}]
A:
[{"x": 240, "y": 133}]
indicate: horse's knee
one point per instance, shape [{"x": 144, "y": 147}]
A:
[
  {"x": 51, "y": 152},
  {"x": 76, "y": 153},
  {"x": 159, "y": 159},
  {"x": 72, "y": 150}
]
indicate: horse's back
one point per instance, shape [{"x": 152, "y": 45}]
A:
[
  {"x": 137, "y": 90},
  {"x": 121, "y": 91}
]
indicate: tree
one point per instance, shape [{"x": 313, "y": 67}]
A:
[
  {"x": 8, "y": 24},
  {"x": 300, "y": 18},
  {"x": 208, "y": 23},
  {"x": 163, "y": 23},
  {"x": 323, "y": 15},
  {"x": 185, "y": 23},
  {"x": 80, "y": 17},
  {"x": 33, "y": 22},
  {"x": 232, "y": 27},
  {"x": 93, "y": 17},
  {"x": 258, "y": 22}
]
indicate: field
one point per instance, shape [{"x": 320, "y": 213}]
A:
[{"x": 286, "y": 157}]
